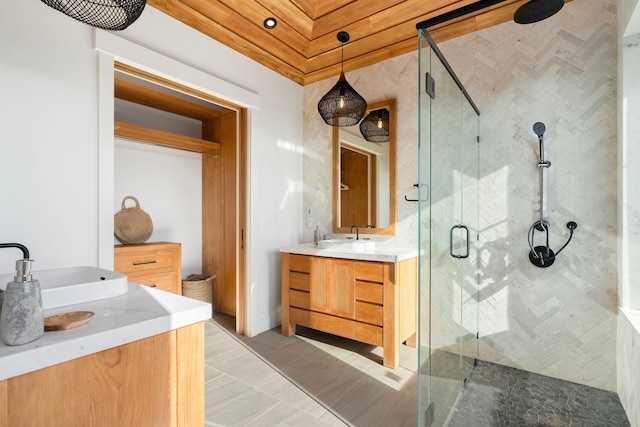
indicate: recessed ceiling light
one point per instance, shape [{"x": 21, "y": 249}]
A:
[{"x": 270, "y": 23}]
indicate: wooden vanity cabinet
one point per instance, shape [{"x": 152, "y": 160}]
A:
[
  {"x": 151, "y": 264},
  {"x": 157, "y": 381},
  {"x": 367, "y": 301}
]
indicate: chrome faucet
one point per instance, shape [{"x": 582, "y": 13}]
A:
[{"x": 357, "y": 231}]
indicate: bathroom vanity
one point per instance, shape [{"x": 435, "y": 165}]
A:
[
  {"x": 138, "y": 362},
  {"x": 368, "y": 296}
]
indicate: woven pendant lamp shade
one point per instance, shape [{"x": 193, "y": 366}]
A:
[
  {"x": 342, "y": 105},
  {"x": 537, "y": 10},
  {"x": 375, "y": 127},
  {"x": 112, "y": 15}
]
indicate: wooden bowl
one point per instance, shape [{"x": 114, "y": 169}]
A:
[{"x": 60, "y": 322}]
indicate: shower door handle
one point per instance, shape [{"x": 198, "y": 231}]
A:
[{"x": 466, "y": 238}]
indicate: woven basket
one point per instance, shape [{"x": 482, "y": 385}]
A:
[
  {"x": 132, "y": 225},
  {"x": 200, "y": 287}
]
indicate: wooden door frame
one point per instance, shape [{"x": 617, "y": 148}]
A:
[{"x": 208, "y": 147}]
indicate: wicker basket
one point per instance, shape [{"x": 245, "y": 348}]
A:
[
  {"x": 200, "y": 287},
  {"x": 132, "y": 225}
]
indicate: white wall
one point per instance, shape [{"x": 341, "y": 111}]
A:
[
  {"x": 168, "y": 184},
  {"x": 48, "y": 136},
  {"x": 628, "y": 357},
  {"x": 629, "y": 172}
]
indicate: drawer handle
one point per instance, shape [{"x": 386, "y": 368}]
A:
[
  {"x": 144, "y": 262},
  {"x": 152, "y": 286}
]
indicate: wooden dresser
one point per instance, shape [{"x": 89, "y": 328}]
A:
[
  {"x": 158, "y": 265},
  {"x": 367, "y": 301}
]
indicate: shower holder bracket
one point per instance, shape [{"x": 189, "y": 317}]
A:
[
  {"x": 542, "y": 226},
  {"x": 544, "y": 259}
]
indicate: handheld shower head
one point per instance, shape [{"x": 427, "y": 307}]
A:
[{"x": 539, "y": 128}]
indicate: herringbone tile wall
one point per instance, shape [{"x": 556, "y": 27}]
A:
[
  {"x": 395, "y": 78},
  {"x": 559, "y": 321}
]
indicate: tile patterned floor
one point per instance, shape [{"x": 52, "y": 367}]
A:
[
  {"x": 242, "y": 390},
  {"x": 497, "y": 395},
  {"x": 268, "y": 380}
]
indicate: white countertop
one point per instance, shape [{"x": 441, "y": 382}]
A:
[
  {"x": 380, "y": 253},
  {"x": 140, "y": 313}
]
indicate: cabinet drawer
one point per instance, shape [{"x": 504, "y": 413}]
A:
[
  {"x": 300, "y": 263},
  {"x": 145, "y": 261},
  {"x": 369, "y": 292},
  {"x": 370, "y": 271},
  {"x": 369, "y": 313},
  {"x": 163, "y": 281},
  {"x": 298, "y": 281},
  {"x": 299, "y": 299}
]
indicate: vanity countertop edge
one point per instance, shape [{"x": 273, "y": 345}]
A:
[
  {"x": 140, "y": 313},
  {"x": 380, "y": 253}
]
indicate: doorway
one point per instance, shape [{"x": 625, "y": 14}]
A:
[
  {"x": 221, "y": 141},
  {"x": 357, "y": 186}
]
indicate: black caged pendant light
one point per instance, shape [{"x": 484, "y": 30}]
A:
[
  {"x": 112, "y": 15},
  {"x": 342, "y": 105},
  {"x": 375, "y": 127},
  {"x": 537, "y": 10}
]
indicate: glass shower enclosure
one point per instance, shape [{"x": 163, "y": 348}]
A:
[{"x": 448, "y": 146}]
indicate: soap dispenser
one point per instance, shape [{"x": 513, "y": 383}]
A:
[
  {"x": 316, "y": 236},
  {"x": 22, "y": 316}
]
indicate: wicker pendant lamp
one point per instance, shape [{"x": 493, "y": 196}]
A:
[
  {"x": 375, "y": 127},
  {"x": 112, "y": 15},
  {"x": 342, "y": 105}
]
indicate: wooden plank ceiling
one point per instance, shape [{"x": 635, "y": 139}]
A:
[{"x": 304, "y": 47}]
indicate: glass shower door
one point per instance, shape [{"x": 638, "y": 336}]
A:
[
  {"x": 469, "y": 289},
  {"x": 448, "y": 158}
]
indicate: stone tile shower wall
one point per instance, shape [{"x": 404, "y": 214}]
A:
[
  {"x": 559, "y": 321},
  {"x": 395, "y": 78}
]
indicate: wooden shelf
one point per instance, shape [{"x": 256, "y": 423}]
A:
[
  {"x": 160, "y": 101},
  {"x": 165, "y": 139}
]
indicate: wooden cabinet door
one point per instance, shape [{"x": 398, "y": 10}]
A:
[
  {"x": 332, "y": 287},
  {"x": 342, "y": 288},
  {"x": 320, "y": 272}
]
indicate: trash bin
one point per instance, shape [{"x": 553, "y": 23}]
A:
[{"x": 200, "y": 287}]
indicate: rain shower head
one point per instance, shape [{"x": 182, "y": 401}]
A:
[
  {"x": 537, "y": 10},
  {"x": 539, "y": 128}
]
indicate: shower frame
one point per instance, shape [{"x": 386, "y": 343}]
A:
[{"x": 448, "y": 156}]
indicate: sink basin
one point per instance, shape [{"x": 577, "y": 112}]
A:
[
  {"x": 75, "y": 285},
  {"x": 347, "y": 245}
]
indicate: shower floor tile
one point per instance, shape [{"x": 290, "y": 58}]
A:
[{"x": 497, "y": 395}]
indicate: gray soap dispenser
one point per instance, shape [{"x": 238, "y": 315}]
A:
[{"x": 22, "y": 316}]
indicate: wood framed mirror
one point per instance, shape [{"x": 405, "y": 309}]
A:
[{"x": 364, "y": 178}]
